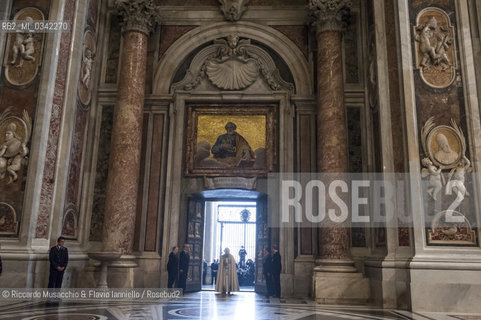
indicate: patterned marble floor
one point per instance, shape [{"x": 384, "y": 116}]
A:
[{"x": 211, "y": 306}]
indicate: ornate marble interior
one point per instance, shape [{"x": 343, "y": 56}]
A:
[
  {"x": 116, "y": 131},
  {"x": 212, "y": 306}
]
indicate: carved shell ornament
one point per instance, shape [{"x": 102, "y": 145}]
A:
[
  {"x": 232, "y": 64},
  {"x": 232, "y": 74}
]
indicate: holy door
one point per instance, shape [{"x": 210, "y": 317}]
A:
[
  {"x": 262, "y": 241},
  {"x": 194, "y": 237}
]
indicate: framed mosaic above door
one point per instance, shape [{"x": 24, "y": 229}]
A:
[{"x": 231, "y": 140}]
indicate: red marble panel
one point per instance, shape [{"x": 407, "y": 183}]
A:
[
  {"x": 305, "y": 154},
  {"x": 403, "y": 237},
  {"x": 297, "y": 34},
  {"x": 76, "y": 154},
  {"x": 170, "y": 34},
  {"x": 395, "y": 96},
  {"x": 92, "y": 13},
  {"x": 154, "y": 202},
  {"x": 46, "y": 192}
]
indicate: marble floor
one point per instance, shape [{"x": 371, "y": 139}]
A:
[{"x": 211, "y": 306}]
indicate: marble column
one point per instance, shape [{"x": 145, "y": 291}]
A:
[
  {"x": 332, "y": 138},
  {"x": 335, "y": 278},
  {"x": 123, "y": 178}
]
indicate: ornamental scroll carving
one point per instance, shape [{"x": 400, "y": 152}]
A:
[
  {"x": 435, "y": 48},
  {"x": 232, "y": 64}
]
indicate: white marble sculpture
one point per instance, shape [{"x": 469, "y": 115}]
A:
[
  {"x": 23, "y": 47},
  {"x": 435, "y": 178},
  {"x": 88, "y": 61},
  {"x": 433, "y": 43},
  {"x": 13, "y": 150}
]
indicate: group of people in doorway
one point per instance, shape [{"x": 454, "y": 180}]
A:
[
  {"x": 224, "y": 270},
  {"x": 178, "y": 267},
  {"x": 271, "y": 269}
]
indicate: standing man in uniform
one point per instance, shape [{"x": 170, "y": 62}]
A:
[
  {"x": 58, "y": 262},
  {"x": 276, "y": 272},
  {"x": 173, "y": 267},
  {"x": 184, "y": 266}
]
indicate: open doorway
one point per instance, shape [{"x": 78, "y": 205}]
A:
[
  {"x": 230, "y": 224},
  {"x": 231, "y": 218}
]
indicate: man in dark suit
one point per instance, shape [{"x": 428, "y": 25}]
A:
[
  {"x": 184, "y": 266},
  {"x": 213, "y": 269},
  {"x": 276, "y": 272},
  {"x": 58, "y": 262},
  {"x": 267, "y": 270},
  {"x": 173, "y": 267}
]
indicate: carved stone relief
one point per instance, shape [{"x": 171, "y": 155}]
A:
[
  {"x": 435, "y": 48},
  {"x": 233, "y": 9},
  {"x": 24, "y": 50},
  {"x": 445, "y": 231},
  {"x": 445, "y": 168},
  {"x": 88, "y": 60},
  {"x": 8, "y": 219},
  {"x": 445, "y": 148},
  {"x": 15, "y": 133},
  {"x": 232, "y": 64}
]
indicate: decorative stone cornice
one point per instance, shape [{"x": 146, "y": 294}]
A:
[
  {"x": 233, "y": 9},
  {"x": 138, "y": 15},
  {"x": 330, "y": 15}
]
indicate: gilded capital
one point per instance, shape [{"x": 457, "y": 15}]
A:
[
  {"x": 137, "y": 15},
  {"x": 330, "y": 15}
]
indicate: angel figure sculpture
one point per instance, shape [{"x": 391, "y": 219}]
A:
[
  {"x": 436, "y": 178},
  {"x": 456, "y": 179},
  {"x": 12, "y": 153}
]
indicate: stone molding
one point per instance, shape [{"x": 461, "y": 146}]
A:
[
  {"x": 138, "y": 15},
  {"x": 233, "y": 9},
  {"x": 330, "y": 15}
]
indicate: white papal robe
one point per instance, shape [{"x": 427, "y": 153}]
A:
[{"x": 227, "y": 275}]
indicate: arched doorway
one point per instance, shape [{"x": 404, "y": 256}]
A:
[
  {"x": 273, "y": 74},
  {"x": 216, "y": 209}
]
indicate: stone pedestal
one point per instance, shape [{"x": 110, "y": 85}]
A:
[
  {"x": 340, "y": 287},
  {"x": 105, "y": 259}
]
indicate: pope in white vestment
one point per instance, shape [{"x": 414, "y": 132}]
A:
[{"x": 227, "y": 275}]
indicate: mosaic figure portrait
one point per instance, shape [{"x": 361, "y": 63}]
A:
[{"x": 230, "y": 141}]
